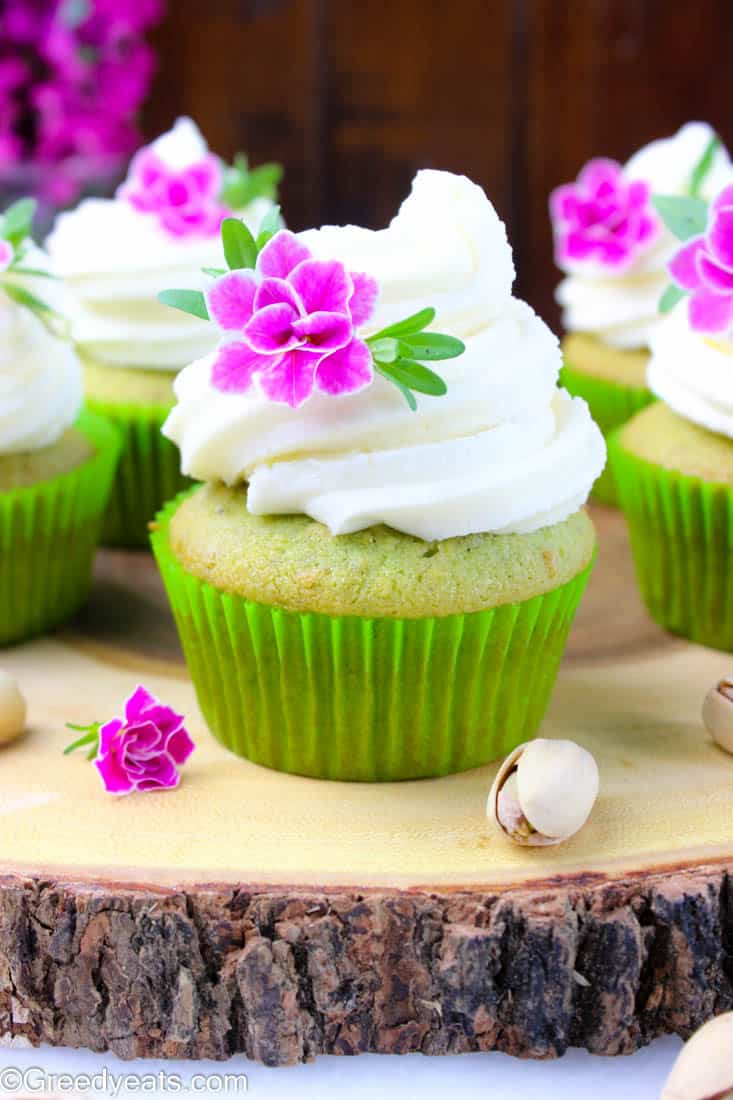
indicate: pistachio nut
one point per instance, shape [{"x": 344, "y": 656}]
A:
[
  {"x": 12, "y": 709},
  {"x": 543, "y": 792},
  {"x": 717, "y": 713},
  {"x": 704, "y": 1066}
]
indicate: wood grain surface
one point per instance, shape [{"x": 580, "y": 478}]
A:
[{"x": 285, "y": 917}]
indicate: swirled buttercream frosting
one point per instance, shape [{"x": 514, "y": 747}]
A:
[
  {"x": 502, "y": 451},
  {"x": 117, "y": 254}
]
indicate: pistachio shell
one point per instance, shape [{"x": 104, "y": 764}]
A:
[
  {"x": 12, "y": 709},
  {"x": 558, "y": 786},
  {"x": 717, "y": 714},
  {"x": 704, "y": 1066}
]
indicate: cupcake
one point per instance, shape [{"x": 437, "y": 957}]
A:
[
  {"x": 115, "y": 255},
  {"x": 613, "y": 247},
  {"x": 673, "y": 462},
  {"x": 56, "y": 463},
  {"x": 377, "y": 577}
]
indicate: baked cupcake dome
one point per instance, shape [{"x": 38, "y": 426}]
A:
[
  {"x": 610, "y": 308},
  {"x": 378, "y": 601},
  {"x": 115, "y": 256}
]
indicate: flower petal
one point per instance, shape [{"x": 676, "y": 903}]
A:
[
  {"x": 725, "y": 198},
  {"x": 364, "y": 299},
  {"x": 137, "y": 703},
  {"x": 270, "y": 330},
  {"x": 322, "y": 285},
  {"x": 281, "y": 254},
  {"x": 710, "y": 312},
  {"x": 6, "y": 255},
  {"x": 205, "y": 176},
  {"x": 720, "y": 236},
  {"x": 231, "y": 300},
  {"x": 347, "y": 370},
  {"x": 289, "y": 380},
  {"x": 234, "y": 367},
  {"x": 179, "y": 746},
  {"x": 108, "y": 735},
  {"x": 683, "y": 265},
  {"x": 324, "y": 331},
  {"x": 272, "y": 292},
  {"x": 115, "y": 778},
  {"x": 564, "y": 202},
  {"x": 161, "y": 773},
  {"x": 601, "y": 175},
  {"x": 716, "y": 278}
]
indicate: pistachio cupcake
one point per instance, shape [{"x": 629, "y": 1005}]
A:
[
  {"x": 115, "y": 255},
  {"x": 613, "y": 247},
  {"x": 673, "y": 462},
  {"x": 56, "y": 465},
  {"x": 377, "y": 579}
]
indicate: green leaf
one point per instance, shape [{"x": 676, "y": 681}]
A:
[
  {"x": 408, "y": 395},
  {"x": 269, "y": 226},
  {"x": 703, "y": 166},
  {"x": 416, "y": 376},
  {"x": 672, "y": 295},
  {"x": 415, "y": 323},
  {"x": 264, "y": 180},
  {"x": 384, "y": 350},
  {"x": 90, "y": 736},
  {"x": 33, "y": 272},
  {"x": 431, "y": 345},
  {"x": 240, "y": 249},
  {"x": 215, "y": 272},
  {"x": 18, "y": 220},
  {"x": 188, "y": 301},
  {"x": 24, "y": 297},
  {"x": 242, "y": 186},
  {"x": 685, "y": 217}
]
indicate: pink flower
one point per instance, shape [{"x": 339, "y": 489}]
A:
[
  {"x": 185, "y": 200},
  {"x": 144, "y": 751},
  {"x": 602, "y": 217},
  {"x": 291, "y": 324},
  {"x": 704, "y": 267},
  {"x": 6, "y": 255}
]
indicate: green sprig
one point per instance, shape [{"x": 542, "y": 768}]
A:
[
  {"x": 683, "y": 216},
  {"x": 671, "y": 296},
  {"x": 242, "y": 185},
  {"x": 703, "y": 166},
  {"x": 17, "y": 222},
  {"x": 397, "y": 351},
  {"x": 90, "y": 737}
]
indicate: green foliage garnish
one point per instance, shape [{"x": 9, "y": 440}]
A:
[
  {"x": 269, "y": 226},
  {"x": 242, "y": 186},
  {"x": 188, "y": 301},
  {"x": 703, "y": 166},
  {"x": 685, "y": 217},
  {"x": 17, "y": 222},
  {"x": 672, "y": 295},
  {"x": 89, "y": 739},
  {"x": 240, "y": 248},
  {"x": 397, "y": 348}
]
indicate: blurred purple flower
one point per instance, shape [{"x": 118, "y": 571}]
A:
[
  {"x": 704, "y": 268},
  {"x": 73, "y": 74}
]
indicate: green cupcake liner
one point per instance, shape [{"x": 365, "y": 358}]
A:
[
  {"x": 148, "y": 473},
  {"x": 48, "y": 535},
  {"x": 611, "y": 405},
  {"x": 681, "y": 532},
  {"x": 351, "y": 698}
]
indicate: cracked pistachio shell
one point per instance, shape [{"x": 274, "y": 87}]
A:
[
  {"x": 717, "y": 713},
  {"x": 12, "y": 709},
  {"x": 557, "y": 786},
  {"x": 704, "y": 1066}
]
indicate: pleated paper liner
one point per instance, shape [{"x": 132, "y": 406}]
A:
[
  {"x": 148, "y": 473},
  {"x": 681, "y": 532},
  {"x": 611, "y": 405},
  {"x": 344, "y": 697},
  {"x": 48, "y": 535}
]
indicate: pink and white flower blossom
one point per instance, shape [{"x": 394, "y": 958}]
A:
[
  {"x": 290, "y": 324},
  {"x": 185, "y": 200},
  {"x": 7, "y": 255},
  {"x": 704, "y": 268},
  {"x": 143, "y": 751},
  {"x": 603, "y": 217}
]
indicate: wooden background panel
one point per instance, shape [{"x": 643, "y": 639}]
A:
[{"x": 518, "y": 94}]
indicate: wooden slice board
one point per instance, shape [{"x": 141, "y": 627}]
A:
[{"x": 285, "y": 917}]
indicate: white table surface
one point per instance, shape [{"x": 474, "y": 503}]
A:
[{"x": 577, "y": 1076}]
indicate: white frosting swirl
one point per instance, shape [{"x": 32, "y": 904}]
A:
[
  {"x": 692, "y": 373},
  {"x": 621, "y": 308},
  {"x": 40, "y": 375},
  {"x": 116, "y": 260},
  {"x": 503, "y": 450}
]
